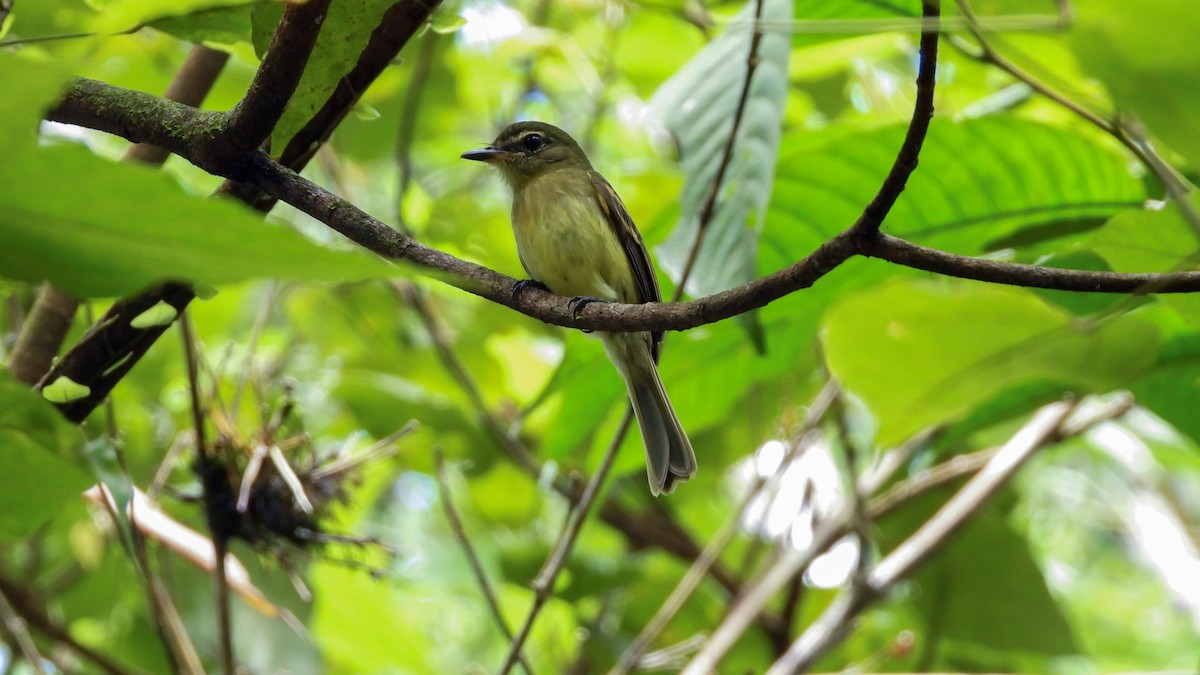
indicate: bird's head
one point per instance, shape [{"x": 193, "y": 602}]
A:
[{"x": 525, "y": 150}]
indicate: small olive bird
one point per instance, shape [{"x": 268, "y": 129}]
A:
[{"x": 575, "y": 238}]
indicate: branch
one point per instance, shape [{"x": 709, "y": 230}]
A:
[
  {"x": 908, "y": 254},
  {"x": 1171, "y": 179},
  {"x": 255, "y": 116},
  {"x": 111, "y": 348},
  {"x": 217, "y": 532},
  {"x": 29, "y": 607},
  {"x": 641, "y": 530},
  {"x": 53, "y": 311},
  {"x": 906, "y": 160},
  {"x": 399, "y": 24}
]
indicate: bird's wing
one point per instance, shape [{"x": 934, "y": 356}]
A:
[{"x": 631, "y": 241}]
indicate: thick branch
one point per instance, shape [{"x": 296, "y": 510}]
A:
[
  {"x": 111, "y": 348},
  {"x": 196, "y": 135},
  {"x": 255, "y": 116},
  {"x": 378, "y": 237}
]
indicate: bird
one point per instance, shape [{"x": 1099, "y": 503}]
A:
[{"x": 575, "y": 238}]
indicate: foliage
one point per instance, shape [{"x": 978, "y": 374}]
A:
[{"x": 1079, "y": 565}]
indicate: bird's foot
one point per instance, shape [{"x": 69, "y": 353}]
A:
[
  {"x": 577, "y": 304},
  {"x": 528, "y": 283}
]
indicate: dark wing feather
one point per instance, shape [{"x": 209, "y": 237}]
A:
[{"x": 631, "y": 240}]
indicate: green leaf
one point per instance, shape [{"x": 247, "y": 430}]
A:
[
  {"x": 40, "y": 470},
  {"x": 920, "y": 354},
  {"x": 698, "y": 105},
  {"x": 100, "y": 229},
  {"x": 1171, "y": 387},
  {"x": 1148, "y": 241},
  {"x": 222, "y": 25},
  {"x": 64, "y": 390},
  {"x": 979, "y": 182},
  {"x": 1153, "y": 241},
  {"x": 343, "y": 37},
  {"x": 125, "y": 14},
  {"x": 31, "y": 87},
  {"x": 161, "y": 314},
  {"x": 1147, "y": 54}
]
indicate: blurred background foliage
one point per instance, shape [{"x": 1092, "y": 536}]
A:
[{"x": 1088, "y": 563}]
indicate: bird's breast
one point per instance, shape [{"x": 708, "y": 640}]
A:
[{"x": 565, "y": 240}]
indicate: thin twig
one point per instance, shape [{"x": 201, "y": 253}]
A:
[
  {"x": 790, "y": 561},
  {"x": 543, "y": 584},
  {"x": 918, "y": 126},
  {"x": 220, "y": 544},
  {"x": 177, "y": 644},
  {"x": 19, "y": 632},
  {"x": 256, "y": 330},
  {"x": 408, "y": 121},
  {"x": 1171, "y": 179},
  {"x": 31, "y": 609},
  {"x": 460, "y": 535},
  {"x": 835, "y": 622},
  {"x": 930, "y": 479},
  {"x": 1051, "y": 424},
  {"x": 516, "y": 451}
]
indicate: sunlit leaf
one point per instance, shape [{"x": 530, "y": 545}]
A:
[
  {"x": 698, "y": 105},
  {"x": 41, "y": 460},
  {"x": 126, "y": 14}
]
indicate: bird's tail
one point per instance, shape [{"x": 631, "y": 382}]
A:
[{"x": 669, "y": 456}]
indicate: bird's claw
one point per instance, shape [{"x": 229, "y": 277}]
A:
[
  {"x": 577, "y": 303},
  {"x": 527, "y": 283}
]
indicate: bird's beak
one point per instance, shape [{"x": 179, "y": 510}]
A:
[{"x": 488, "y": 155}]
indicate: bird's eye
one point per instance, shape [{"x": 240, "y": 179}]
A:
[{"x": 534, "y": 142}]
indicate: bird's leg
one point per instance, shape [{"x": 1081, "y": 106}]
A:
[
  {"x": 577, "y": 303},
  {"x": 528, "y": 283}
]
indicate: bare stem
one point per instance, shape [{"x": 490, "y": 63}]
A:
[
  {"x": 460, "y": 535},
  {"x": 543, "y": 584}
]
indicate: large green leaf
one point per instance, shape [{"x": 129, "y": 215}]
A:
[
  {"x": 1148, "y": 56},
  {"x": 343, "y": 36},
  {"x": 979, "y": 182},
  {"x": 99, "y": 229},
  {"x": 698, "y": 105},
  {"x": 921, "y": 354},
  {"x": 1153, "y": 241},
  {"x": 125, "y": 14},
  {"x": 31, "y": 86},
  {"x": 1148, "y": 241},
  {"x": 223, "y": 25},
  {"x": 1171, "y": 387},
  {"x": 41, "y": 464}
]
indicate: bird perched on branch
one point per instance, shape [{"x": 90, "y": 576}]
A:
[{"x": 575, "y": 238}]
